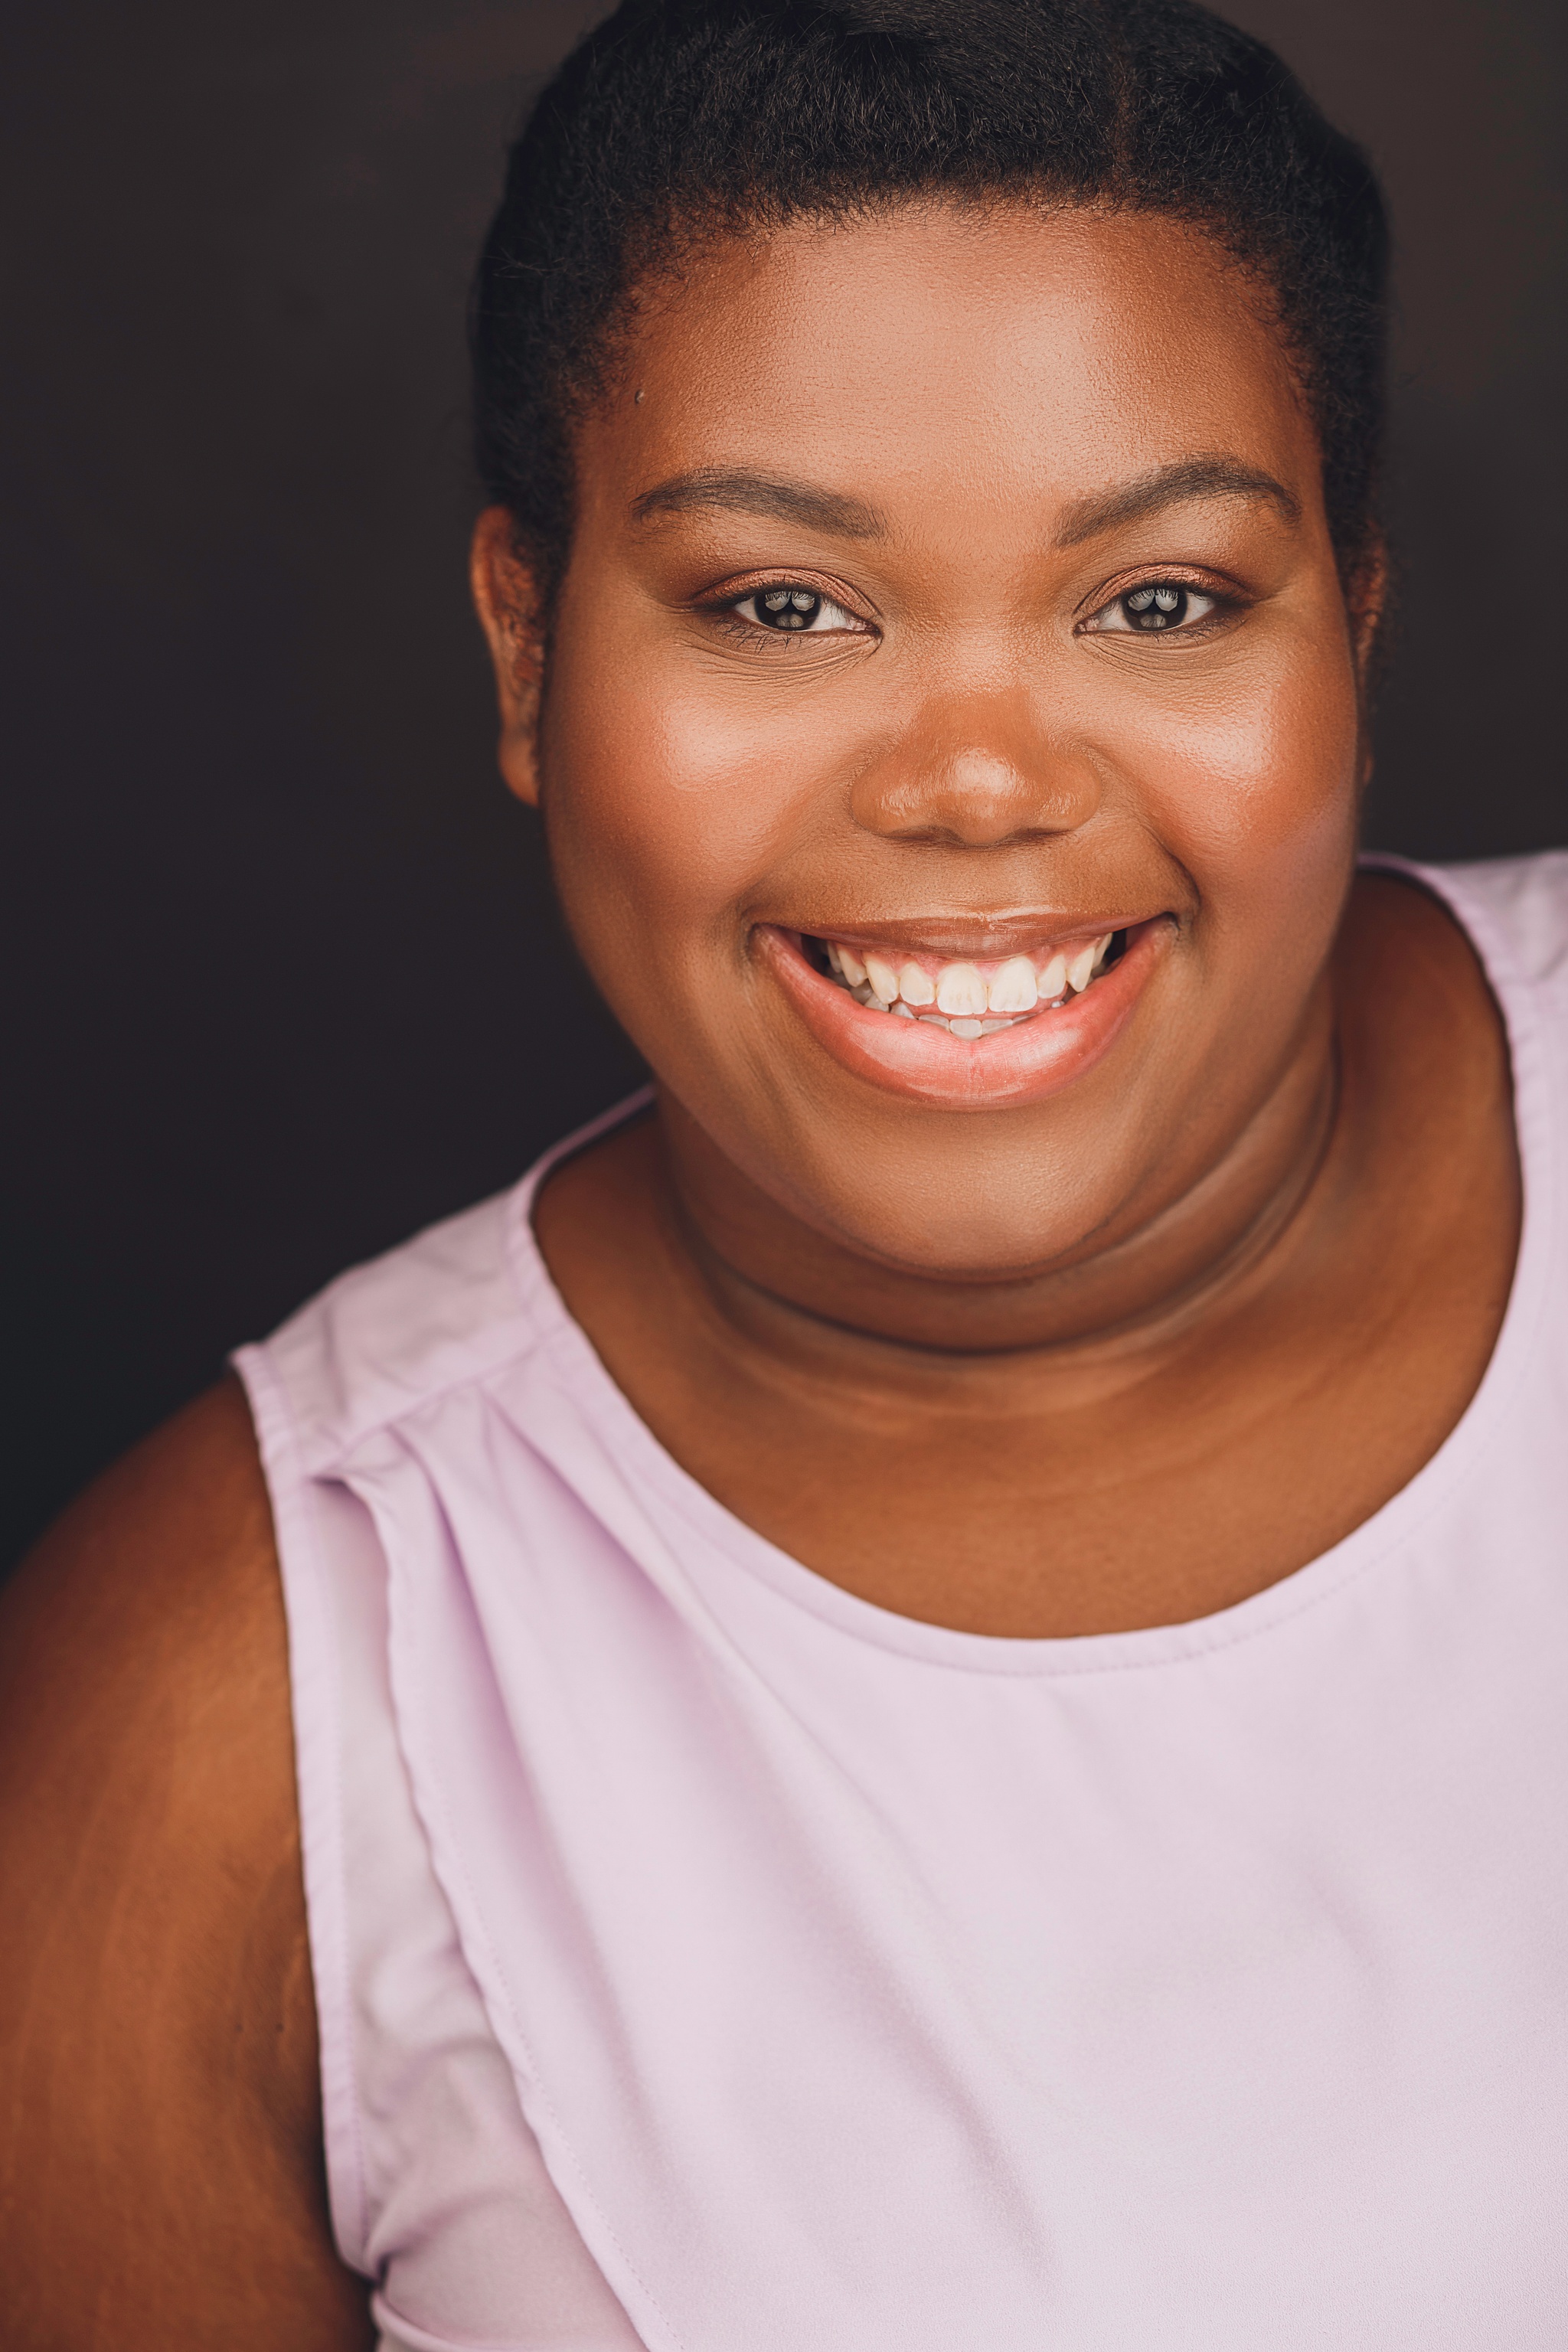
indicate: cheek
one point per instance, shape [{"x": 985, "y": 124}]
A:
[
  {"x": 671, "y": 801},
  {"x": 1251, "y": 782}
]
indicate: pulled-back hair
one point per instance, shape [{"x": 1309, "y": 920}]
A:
[{"x": 675, "y": 118}]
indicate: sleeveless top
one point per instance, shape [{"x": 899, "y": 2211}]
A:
[{"x": 709, "y": 1961}]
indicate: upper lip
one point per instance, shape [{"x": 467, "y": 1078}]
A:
[{"x": 973, "y": 938}]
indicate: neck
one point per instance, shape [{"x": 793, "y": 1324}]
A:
[{"x": 780, "y": 1282}]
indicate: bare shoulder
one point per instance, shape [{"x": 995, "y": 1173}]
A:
[{"x": 160, "y": 2163}]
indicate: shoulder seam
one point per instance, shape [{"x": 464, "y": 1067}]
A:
[{"x": 474, "y": 1377}]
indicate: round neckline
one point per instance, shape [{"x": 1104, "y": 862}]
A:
[{"x": 736, "y": 1545}]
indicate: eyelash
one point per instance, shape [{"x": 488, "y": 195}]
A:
[
  {"x": 1152, "y": 593},
  {"x": 1157, "y": 595},
  {"x": 728, "y": 615}
]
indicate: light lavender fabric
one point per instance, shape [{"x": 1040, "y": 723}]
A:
[{"x": 710, "y": 1961}]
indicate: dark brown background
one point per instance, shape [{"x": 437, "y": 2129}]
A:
[{"x": 281, "y": 978}]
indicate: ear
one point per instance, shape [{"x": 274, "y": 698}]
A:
[
  {"x": 506, "y": 597},
  {"x": 1367, "y": 604},
  {"x": 1366, "y": 609}
]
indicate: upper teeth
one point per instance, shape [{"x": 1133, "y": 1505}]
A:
[
  {"x": 962, "y": 992},
  {"x": 884, "y": 980},
  {"x": 961, "y": 988},
  {"x": 1015, "y": 987}
]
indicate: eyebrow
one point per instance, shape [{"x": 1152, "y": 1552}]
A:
[
  {"x": 742, "y": 492},
  {"x": 1188, "y": 478}
]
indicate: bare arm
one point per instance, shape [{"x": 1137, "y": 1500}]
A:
[{"x": 161, "y": 2176}]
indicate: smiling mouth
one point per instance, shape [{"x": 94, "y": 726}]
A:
[{"x": 969, "y": 999}]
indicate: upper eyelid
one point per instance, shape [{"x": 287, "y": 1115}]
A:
[
  {"x": 1152, "y": 575},
  {"x": 1223, "y": 601},
  {"x": 819, "y": 583},
  {"x": 726, "y": 605},
  {"x": 1178, "y": 574}
]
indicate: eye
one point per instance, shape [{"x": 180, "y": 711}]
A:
[
  {"x": 1158, "y": 605},
  {"x": 787, "y": 609}
]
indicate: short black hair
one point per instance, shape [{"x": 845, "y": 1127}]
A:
[{"x": 674, "y": 118}]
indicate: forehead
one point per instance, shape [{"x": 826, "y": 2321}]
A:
[{"x": 933, "y": 348}]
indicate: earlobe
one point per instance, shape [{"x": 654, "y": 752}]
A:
[{"x": 506, "y": 601}]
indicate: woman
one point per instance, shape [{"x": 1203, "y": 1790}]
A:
[{"x": 913, "y": 1699}]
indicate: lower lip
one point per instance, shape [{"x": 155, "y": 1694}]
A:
[{"x": 1036, "y": 1057}]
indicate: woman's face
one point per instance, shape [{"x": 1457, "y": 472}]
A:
[{"x": 951, "y": 593}]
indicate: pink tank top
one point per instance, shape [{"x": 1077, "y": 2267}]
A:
[{"x": 710, "y": 1961}]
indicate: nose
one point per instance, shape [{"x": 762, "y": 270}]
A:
[{"x": 976, "y": 773}]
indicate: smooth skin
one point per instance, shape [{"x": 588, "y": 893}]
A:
[{"x": 1116, "y": 1356}]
